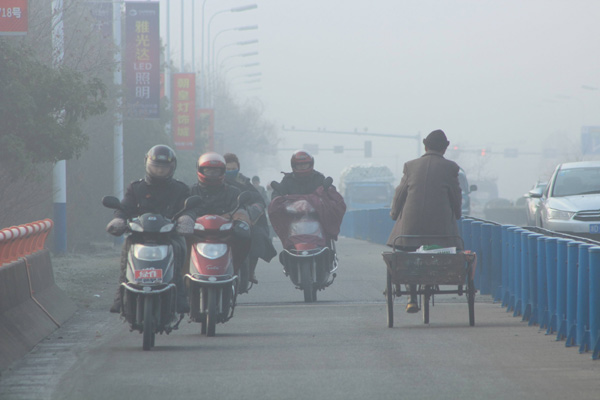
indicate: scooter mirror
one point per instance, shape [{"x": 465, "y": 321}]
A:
[
  {"x": 192, "y": 202},
  {"x": 244, "y": 198},
  {"x": 111, "y": 202}
]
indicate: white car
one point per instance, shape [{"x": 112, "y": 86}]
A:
[
  {"x": 532, "y": 201},
  {"x": 571, "y": 201}
]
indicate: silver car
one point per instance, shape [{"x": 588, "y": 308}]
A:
[
  {"x": 532, "y": 201},
  {"x": 571, "y": 201}
]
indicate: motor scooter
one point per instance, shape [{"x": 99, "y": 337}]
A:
[
  {"x": 219, "y": 246},
  {"x": 309, "y": 257},
  {"x": 149, "y": 294}
]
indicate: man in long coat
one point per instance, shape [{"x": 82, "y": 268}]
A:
[{"x": 427, "y": 202}]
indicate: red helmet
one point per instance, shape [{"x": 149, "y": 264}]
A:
[
  {"x": 302, "y": 157},
  {"x": 211, "y": 160}
]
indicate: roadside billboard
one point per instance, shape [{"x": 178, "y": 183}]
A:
[
  {"x": 142, "y": 60},
  {"x": 13, "y": 17},
  {"x": 184, "y": 109}
]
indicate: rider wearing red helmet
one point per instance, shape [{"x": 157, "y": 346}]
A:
[
  {"x": 218, "y": 197},
  {"x": 303, "y": 179}
]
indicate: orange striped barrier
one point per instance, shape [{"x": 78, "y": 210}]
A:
[{"x": 23, "y": 240}]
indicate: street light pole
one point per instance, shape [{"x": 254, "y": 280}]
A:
[
  {"x": 242, "y": 43},
  {"x": 235, "y": 9}
]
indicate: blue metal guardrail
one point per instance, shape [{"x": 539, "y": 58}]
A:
[{"x": 548, "y": 279}]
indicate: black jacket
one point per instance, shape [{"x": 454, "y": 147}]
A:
[
  {"x": 216, "y": 200},
  {"x": 292, "y": 184},
  {"x": 166, "y": 199},
  {"x": 261, "y": 245}
]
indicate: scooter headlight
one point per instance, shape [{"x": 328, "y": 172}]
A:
[
  {"x": 167, "y": 228},
  {"x": 226, "y": 227},
  {"x": 150, "y": 253},
  {"x": 135, "y": 226},
  {"x": 211, "y": 251}
]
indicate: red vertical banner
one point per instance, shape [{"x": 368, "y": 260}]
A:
[
  {"x": 142, "y": 59},
  {"x": 206, "y": 122},
  {"x": 13, "y": 17},
  {"x": 184, "y": 107}
]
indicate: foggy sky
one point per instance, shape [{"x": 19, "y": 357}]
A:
[{"x": 491, "y": 74}]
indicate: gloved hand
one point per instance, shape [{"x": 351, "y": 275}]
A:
[
  {"x": 327, "y": 183},
  {"x": 116, "y": 227},
  {"x": 254, "y": 212},
  {"x": 185, "y": 225},
  {"x": 241, "y": 229}
]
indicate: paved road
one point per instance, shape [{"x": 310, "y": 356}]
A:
[{"x": 277, "y": 347}]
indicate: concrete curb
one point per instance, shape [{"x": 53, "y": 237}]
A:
[{"x": 25, "y": 319}]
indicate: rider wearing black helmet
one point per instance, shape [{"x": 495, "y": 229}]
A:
[
  {"x": 303, "y": 179},
  {"x": 160, "y": 193}
]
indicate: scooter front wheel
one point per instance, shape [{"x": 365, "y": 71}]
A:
[
  {"x": 211, "y": 315},
  {"x": 149, "y": 333},
  {"x": 306, "y": 280}
]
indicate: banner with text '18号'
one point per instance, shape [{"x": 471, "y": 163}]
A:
[{"x": 13, "y": 17}]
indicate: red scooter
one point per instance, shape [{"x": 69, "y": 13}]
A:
[{"x": 218, "y": 249}]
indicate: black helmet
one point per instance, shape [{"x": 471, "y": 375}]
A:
[{"x": 161, "y": 163}]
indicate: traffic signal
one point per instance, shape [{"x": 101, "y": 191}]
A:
[{"x": 368, "y": 151}]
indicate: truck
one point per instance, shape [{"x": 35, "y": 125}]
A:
[{"x": 367, "y": 186}]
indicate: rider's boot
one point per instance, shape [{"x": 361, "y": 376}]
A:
[{"x": 413, "y": 305}]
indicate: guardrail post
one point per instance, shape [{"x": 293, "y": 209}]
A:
[
  {"x": 347, "y": 227},
  {"x": 542, "y": 287},
  {"x": 517, "y": 273},
  {"x": 595, "y": 301},
  {"x": 530, "y": 313},
  {"x": 505, "y": 265},
  {"x": 561, "y": 288},
  {"x": 486, "y": 251},
  {"x": 524, "y": 276},
  {"x": 551, "y": 248},
  {"x": 572, "y": 277},
  {"x": 510, "y": 306},
  {"x": 466, "y": 233},
  {"x": 497, "y": 248},
  {"x": 583, "y": 296},
  {"x": 476, "y": 245}
]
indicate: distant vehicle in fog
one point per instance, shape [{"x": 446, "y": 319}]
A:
[
  {"x": 532, "y": 201},
  {"x": 571, "y": 201},
  {"x": 466, "y": 191},
  {"x": 367, "y": 186}
]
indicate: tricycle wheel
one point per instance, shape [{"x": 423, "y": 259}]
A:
[
  {"x": 471, "y": 300},
  {"x": 389, "y": 294},
  {"x": 425, "y": 304}
]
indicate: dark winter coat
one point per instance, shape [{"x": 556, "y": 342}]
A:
[
  {"x": 292, "y": 184},
  {"x": 216, "y": 200},
  {"x": 427, "y": 202},
  {"x": 166, "y": 199},
  {"x": 261, "y": 246}
]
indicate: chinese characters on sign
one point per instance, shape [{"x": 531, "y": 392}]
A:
[
  {"x": 206, "y": 120},
  {"x": 13, "y": 17},
  {"x": 184, "y": 107},
  {"x": 142, "y": 60}
]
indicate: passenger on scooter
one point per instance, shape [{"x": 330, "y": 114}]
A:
[
  {"x": 160, "y": 193},
  {"x": 303, "y": 179},
  {"x": 427, "y": 202},
  {"x": 261, "y": 245}
]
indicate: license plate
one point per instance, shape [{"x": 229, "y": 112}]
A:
[
  {"x": 154, "y": 275},
  {"x": 594, "y": 228}
]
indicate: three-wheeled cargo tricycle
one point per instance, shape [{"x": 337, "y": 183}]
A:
[{"x": 429, "y": 271}]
